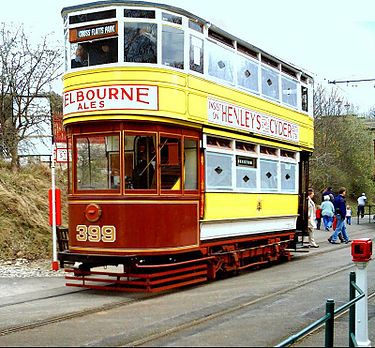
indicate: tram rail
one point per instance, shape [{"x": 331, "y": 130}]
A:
[{"x": 171, "y": 330}]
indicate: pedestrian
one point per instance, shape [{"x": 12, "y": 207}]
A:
[
  {"x": 328, "y": 212},
  {"x": 348, "y": 215},
  {"x": 328, "y": 192},
  {"x": 361, "y": 205},
  {"x": 311, "y": 218},
  {"x": 340, "y": 212},
  {"x": 318, "y": 217}
]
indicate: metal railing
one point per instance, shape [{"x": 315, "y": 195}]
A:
[
  {"x": 329, "y": 318},
  {"x": 366, "y": 212}
]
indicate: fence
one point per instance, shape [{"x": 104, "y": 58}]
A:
[
  {"x": 329, "y": 318},
  {"x": 368, "y": 210}
]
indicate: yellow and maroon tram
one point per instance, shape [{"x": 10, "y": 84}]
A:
[{"x": 188, "y": 148}]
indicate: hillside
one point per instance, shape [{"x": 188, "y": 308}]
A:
[{"x": 24, "y": 211}]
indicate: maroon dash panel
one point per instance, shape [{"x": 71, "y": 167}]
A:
[{"x": 134, "y": 227}]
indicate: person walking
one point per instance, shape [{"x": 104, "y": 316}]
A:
[
  {"x": 311, "y": 218},
  {"x": 361, "y": 205},
  {"x": 340, "y": 212},
  {"x": 328, "y": 192},
  {"x": 328, "y": 212},
  {"x": 348, "y": 215},
  {"x": 318, "y": 217}
]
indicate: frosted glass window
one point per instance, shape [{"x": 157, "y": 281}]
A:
[
  {"x": 173, "y": 47},
  {"x": 246, "y": 178},
  {"x": 247, "y": 74},
  {"x": 289, "y": 94},
  {"x": 270, "y": 83},
  {"x": 288, "y": 177},
  {"x": 268, "y": 175},
  {"x": 219, "y": 171},
  {"x": 220, "y": 62}
]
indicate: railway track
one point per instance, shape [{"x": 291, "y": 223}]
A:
[{"x": 127, "y": 302}]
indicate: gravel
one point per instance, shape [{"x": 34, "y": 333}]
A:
[{"x": 23, "y": 268}]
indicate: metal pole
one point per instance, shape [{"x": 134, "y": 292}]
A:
[
  {"x": 329, "y": 331},
  {"x": 351, "y": 309},
  {"x": 55, "y": 265},
  {"x": 361, "y": 311}
]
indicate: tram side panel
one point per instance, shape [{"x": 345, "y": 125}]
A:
[{"x": 134, "y": 227}]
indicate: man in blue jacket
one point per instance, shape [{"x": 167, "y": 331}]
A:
[{"x": 340, "y": 212}]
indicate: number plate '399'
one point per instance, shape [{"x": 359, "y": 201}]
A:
[{"x": 94, "y": 233}]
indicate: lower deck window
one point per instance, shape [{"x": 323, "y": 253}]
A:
[
  {"x": 269, "y": 175},
  {"x": 98, "y": 162},
  {"x": 170, "y": 163},
  {"x": 140, "y": 162},
  {"x": 288, "y": 177},
  {"x": 191, "y": 164},
  {"x": 219, "y": 171}
]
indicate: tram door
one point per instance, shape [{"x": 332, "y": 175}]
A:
[{"x": 302, "y": 192}]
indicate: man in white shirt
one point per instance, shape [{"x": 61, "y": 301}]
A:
[{"x": 361, "y": 205}]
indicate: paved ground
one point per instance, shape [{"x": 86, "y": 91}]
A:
[{"x": 272, "y": 303}]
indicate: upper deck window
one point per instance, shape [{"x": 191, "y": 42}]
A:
[
  {"x": 93, "y": 16},
  {"x": 171, "y": 18},
  {"x": 270, "y": 83},
  {"x": 246, "y": 50},
  {"x": 220, "y": 62},
  {"x": 94, "y": 53},
  {"x": 247, "y": 73},
  {"x": 173, "y": 47},
  {"x": 196, "y": 54},
  {"x": 305, "y": 98},
  {"x": 196, "y": 26},
  {"x": 140, "y": 42},
  {"x": 139, "y": 13},
  {"x": 220, "y": 38},
  {"x": 289, "y": 88}
]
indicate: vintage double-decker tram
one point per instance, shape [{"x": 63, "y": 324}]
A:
[{"x": 188, "y": 147}]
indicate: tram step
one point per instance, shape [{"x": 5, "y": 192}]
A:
[{"x": 138, "y": 282}]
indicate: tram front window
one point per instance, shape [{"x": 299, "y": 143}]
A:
[
  {"x": 140, "y": 162},
  {"x": 170, "y": 163},
  {"x": 98, "y": 162},
  {"x": 94, "y": 53}
]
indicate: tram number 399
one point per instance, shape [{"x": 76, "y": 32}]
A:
[{"x": 95, "y": 233}]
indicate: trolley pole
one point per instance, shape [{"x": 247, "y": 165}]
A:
[
  {"x": 361, "y": 252},
  {"x": 55, "y": 264}
]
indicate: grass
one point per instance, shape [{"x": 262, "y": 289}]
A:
[{"x": 24, "y": 211}]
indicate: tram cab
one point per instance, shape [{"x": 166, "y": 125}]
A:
[{"x": 184, "y": 141}]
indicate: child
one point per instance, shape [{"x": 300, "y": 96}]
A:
[
  {"x": 318, "y": 217},
  {"x": 348, "y": 215}
]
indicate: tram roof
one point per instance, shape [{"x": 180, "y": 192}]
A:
[{"x": 98, "y": 4}]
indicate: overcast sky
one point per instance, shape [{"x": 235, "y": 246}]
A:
[{"x": 330, "y": 39}]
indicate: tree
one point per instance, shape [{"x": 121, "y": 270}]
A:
[
  {"x": 343, "y": 154},
  {"x": 27, "y": 72}
]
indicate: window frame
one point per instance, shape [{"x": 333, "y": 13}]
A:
[
  {"x": 256, "y": 155},
  {"x": 137, "y": 192},
  {"x": 75, "y": 162}
]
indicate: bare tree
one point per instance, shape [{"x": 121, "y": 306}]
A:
[{"x": 27, "y": 72}]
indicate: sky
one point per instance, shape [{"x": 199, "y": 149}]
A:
[{"x": 329, "y": 39}]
